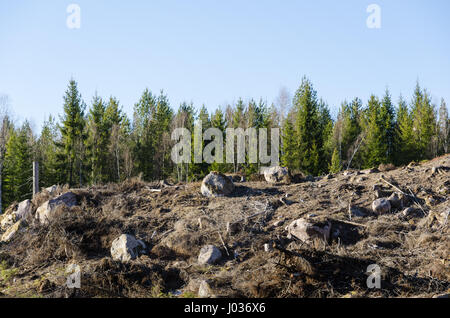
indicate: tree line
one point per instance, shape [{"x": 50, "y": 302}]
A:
[{"x": 101, "y": 144}]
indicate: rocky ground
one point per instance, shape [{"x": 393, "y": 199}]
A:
[{"x": 311, "y": 237}]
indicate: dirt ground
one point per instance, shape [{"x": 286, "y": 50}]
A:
[{"x": 411, "y": 251}]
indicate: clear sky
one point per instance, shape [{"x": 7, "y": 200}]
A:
[{"x": 213, "y": 51}]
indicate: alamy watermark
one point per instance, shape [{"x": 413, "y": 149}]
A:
[
  {"x": 73, "y": 20},
  {"x": 241, "y": 146},
  {"x": 374, "y": 279},
  {"x": 74, "y": 276},
  {"x": 374, "y": 19}
]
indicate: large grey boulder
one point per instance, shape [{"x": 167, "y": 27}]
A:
[
  {"x": 209, "y": 254},
  {"x": 47, "y": 210},
  {"x": 306, "y": 230},
  {"x": 126, "y": 247},
  {"x": 276, "y": 174},
  {"x": 381, "y": 206},
  {"x": 216, "y": 184}
]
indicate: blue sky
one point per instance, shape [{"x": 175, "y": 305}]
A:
[{"x": 212, "y": 52}]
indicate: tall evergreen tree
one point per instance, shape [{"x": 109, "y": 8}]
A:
[
  {"x": 404, "y": 145},
  {"x": 17, "y": 174},
  {"x": 424, "y": 123},
  {"x": 73, "y": 135},
  {"x": 387, "y": 120},
  {"x": 144, "y": 132},
  {"x": 307, "y": 128},
  {"x": 47, "y": 153},
  {"x": 374, "y": 148},
  {"x": 98, "y": 141}
]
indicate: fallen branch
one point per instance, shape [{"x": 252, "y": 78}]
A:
[{"x": 223, "y": 243}]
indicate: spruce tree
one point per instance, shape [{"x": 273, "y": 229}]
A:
[
  {"x": 73, "y": 136},
  {"x": 17, "y": 173},
  {"x": 335, "y": 165},
  {"x": 289, "y": 144},
  {"x": 387, "y": 120},
  {"x": 307, "y": 128},
  {"x": 144, "y": 132},
  {"x": 404, "y": 145},
  {"x": 374, "y": 148},
  {"x": 47, "y": 153},
  {"x": 98, "y": 141}
]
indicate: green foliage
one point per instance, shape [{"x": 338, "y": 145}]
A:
[
  {"x": 335, "y": 165},
  {"x": 107, "y": 146},
  {"x": 72, "y": 148},
  {"x": 17, "y": 169}
]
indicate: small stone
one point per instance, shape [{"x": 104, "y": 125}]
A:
[
  {"x": 305, "y": 230},
  {"x": 276, "y": 174},
  {"x": 209, "y": 254},
  {"x": 268, "y": 248},
  {"x": 204, "y": 290},
  {"x": 216, "y": 184},
  {"x": 126, "y": 247},
  {"x": 408, "y": 211},
  {"x": 396, "y": 201},
  {"x": 381, "y": 206}
]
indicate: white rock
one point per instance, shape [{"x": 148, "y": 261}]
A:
[
  {"x": 7, "y": 220},
  {"x": 276, "y": 174},
  {"x": 268, "y": 248},
  {"x": 46, "y": 211},
  {"x": 126, "y": 247},
  {"x": 209, "y": 254},
  {"x": 22, "y": 210},
  {"x": 381, "y": 206},
  {"x": 11, "y": 232},
  {"x": 305, "y": 230},
  {"x": 216, "y": 184},
  {"x": 204, "y": 290}
]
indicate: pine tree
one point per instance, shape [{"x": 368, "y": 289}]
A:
[{"x": 73, "y": 136}]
